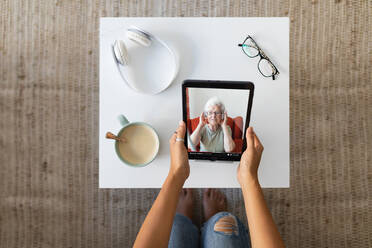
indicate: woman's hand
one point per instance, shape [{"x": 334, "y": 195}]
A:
[
  {"x": 224, "y": 120},
  {"x": 179, "y": 167},
  {"x": 202, "y": 120},
  {"x": 262, "y": 229},
  {"x": 247, "y": 169},
  {"x": 156, "y": 228}
]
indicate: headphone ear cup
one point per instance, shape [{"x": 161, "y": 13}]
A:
[
  {"x": 139, "y": 37},
  {"x": 121, "y": 52}
]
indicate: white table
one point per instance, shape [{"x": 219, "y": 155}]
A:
[{"x": 207, "y": 48}]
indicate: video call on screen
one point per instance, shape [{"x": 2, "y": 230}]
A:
[{"x": 216, "y": 119}]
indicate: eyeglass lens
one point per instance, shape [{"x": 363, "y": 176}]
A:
[
  {"x": 266, "y": 68},
  {"x": 250, "y": 48}
]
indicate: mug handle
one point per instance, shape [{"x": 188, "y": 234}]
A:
[{"x": 123, "y": 120}]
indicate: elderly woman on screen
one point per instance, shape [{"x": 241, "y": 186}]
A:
[{"x": 212, "y": 132}]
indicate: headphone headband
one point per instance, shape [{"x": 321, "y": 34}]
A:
[
  {"x": 143, "y": 38},
  {"x": 140, "y": 31}
]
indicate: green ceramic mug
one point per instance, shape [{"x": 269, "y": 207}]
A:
[{"x": 139, "y": 145}]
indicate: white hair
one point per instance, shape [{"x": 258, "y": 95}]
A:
[{"x": 214, "y": 101}]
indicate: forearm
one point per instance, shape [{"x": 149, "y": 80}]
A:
[
  {"x": 195, "y": 136},
  {"x": 155, "y": 230},
  {"x": 262, "y": 228},
  {"x": 229, "y": 143}
]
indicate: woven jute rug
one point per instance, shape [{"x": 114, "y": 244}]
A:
[{"x": 49, "y": 124}]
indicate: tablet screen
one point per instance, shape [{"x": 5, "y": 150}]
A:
[{"x": 216, "y": 119}]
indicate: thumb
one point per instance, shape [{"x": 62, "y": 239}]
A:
[
  {"x": 181, "y": 130},
  {"x": 250, "y": 137}
]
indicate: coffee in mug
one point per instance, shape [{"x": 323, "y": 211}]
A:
[
  {"x": 136, "y": 144},
  {"x": 140, "y": 146}
]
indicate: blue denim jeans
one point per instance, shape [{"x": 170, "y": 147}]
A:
[{"x": 186, "y": 235}]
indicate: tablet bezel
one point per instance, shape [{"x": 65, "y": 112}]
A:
[{"x": 217, "y": 84}]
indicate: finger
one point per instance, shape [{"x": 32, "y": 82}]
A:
[
  {"x": 257, "y": 142},
  {"x": 250, "y": 137},
  {"x": 181, "y": 130},
  {"x": 173, "y": 138}
]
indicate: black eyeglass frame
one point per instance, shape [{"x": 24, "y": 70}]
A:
[{"x": 262, "y": 56}]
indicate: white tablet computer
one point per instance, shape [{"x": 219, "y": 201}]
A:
[{"x": 217, "y": 114}]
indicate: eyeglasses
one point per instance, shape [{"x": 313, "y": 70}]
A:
[
  {"x": 210, "y": 113},
  {"x": 265, "y": 66}
]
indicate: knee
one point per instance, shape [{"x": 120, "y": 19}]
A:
[{"x": 227, "y": 225}]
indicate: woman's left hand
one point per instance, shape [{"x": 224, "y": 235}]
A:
[
  {"x": 180, "y": 167},
  {"x": 224, "y": 121}
]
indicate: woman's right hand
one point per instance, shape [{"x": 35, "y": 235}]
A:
[
  {"x": 250, "y": 160},
  {"x": 202, "y": 120},
  {"x": 180, "y": 167}
]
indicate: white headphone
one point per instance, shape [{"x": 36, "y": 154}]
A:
[{"x": 142, "y": 38}]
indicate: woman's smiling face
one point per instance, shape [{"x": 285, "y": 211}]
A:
[{"x": 214, "y": 115}]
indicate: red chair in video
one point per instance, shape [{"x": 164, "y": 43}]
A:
[{"x": 236, "y": 125}]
